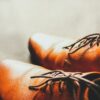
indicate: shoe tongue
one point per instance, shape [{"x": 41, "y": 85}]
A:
[
  {"x": 94, "y": 95},
  {"x": 90, "y": 91}
]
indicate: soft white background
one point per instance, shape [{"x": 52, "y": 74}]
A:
[{"x": 19, "y": 19}]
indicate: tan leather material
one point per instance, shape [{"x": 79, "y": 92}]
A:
[
  {"x": 15, "y": 81},
  {"x": 15, "y": 86},
  {"x": 56, "y": 57}
]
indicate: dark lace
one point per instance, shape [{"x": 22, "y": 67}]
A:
[
  {"x": 60, "y": 77},
  {"x": 87, "y": 40}
]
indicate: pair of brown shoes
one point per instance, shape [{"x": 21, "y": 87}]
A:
[{"x": 21, "y": 81}]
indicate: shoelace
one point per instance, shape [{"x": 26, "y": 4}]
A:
[
  {"x": 69, "y": 80},
  {"x": 87, "y": 40}
]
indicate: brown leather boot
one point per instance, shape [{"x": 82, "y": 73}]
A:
[
  {"x": 16, "y": 83},
  {"x": 21, "y": 81},
  {"x": 60, "y": 53}
]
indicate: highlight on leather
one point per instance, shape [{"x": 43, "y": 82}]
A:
[
  {"x": 60, "y": 53},
  {"x": 21, "y": 81}
]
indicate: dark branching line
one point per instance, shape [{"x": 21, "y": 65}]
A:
[
  {"x": 87, "y": 40},
  {"x": 51, "y": 77},
  {"x": 60, "y": 77}
]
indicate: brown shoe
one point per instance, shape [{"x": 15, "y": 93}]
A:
[
  {"x": 58, "y": 53},
  {"x": 21, "y": 81}
]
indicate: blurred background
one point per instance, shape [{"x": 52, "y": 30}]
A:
[{"x": 19, "y": 19}]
